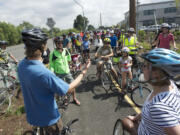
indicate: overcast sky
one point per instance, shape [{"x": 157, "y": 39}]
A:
[{"x": 64, "y": 11}]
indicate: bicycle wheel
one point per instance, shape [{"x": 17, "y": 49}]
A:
[
  {"x": 118, "y": 129},
  {"x": 29, "y": 133},
  {"x": 138, "y": 96},
  {"x": 5, "y": 100},
  {"x": 106, "y": 81}
]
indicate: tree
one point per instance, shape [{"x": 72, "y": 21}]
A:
[
  {"x": 80, "y": 23},
  {"x": 91, "y": 27},
  {"x": 26, "y": 25}
]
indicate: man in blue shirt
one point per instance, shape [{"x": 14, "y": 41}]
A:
[
  {"x": 40, "y": 84},
  {"x": 114, "y": 41}
]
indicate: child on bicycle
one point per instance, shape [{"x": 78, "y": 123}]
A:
[
  {"x": 161, "y": 110},
  {"x": 4, "y": 54},
  {"x": 125, "y": 64}
]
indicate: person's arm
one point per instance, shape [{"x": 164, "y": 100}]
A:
[
  {"x": 130, "y": 64},
  {"x": 173, "y": 130},
  {"x": 79, "y": 78},
  {"x": 51, "y": 63},
  {"x": 157, "y": 42},
  {"x": 173, "y": 43},
  {"x": 136, "y": 118},
  {"x": 109, "y": 55},
  {"x": 12, "y": 57}
]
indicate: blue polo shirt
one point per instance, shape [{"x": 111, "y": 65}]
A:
[
  {"x": 39, "y": 86},
  {"x": 86, "y": 45},
  {"x": 114, "y": 40}
]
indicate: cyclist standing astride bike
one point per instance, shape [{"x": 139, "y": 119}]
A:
[
  {"x": 114, "y": 41},
  {"x": 125, "y": 64},
  {"x": 161, "y": 110},
  {"x": 165, "y": 38},
  {"x": 59, "y": 64},
  {"x": 4, "y": 55},
  {"x": 105, "y": 52},
  {"x": 131, "y": 42},
  {"x": 40, "y": 84},
  {"x": 86, "y": 48}
]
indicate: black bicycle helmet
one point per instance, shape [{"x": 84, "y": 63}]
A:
[
  {"x": 58, "y": 39},
  {"x": 2, "y": 42},
  {"x": 34, "y": 37}
]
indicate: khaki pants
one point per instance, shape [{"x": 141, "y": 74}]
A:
[{"x": 53, "y": 129}]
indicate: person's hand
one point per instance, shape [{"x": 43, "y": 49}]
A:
[
  {"x": 88, "y": 63},
  {"x": 131, "y": 117},
  {"x": 175, "y": 49},
  {"x": 102, "y": 57}
]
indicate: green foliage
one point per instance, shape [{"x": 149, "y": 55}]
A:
[
  {"x": 177, "y": 35},
  {"x": 142, "y": 35},
  {"x": 69, "y": 30},
  {"x": 80, "y": 23},
  {"x": 20, "y": 110},
  {"x": 91, "y": 27}
]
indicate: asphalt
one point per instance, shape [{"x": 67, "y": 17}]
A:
[{"x": 98, "y": 111}]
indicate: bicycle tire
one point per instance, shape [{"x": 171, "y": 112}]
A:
[
  {"x": 5, "y": 100},
  {"x": 118, "y": 128},
  {"x": 29, "y": 132},
  {"x": 139, "y": 99},
  {"x": 106, "y": 81}
]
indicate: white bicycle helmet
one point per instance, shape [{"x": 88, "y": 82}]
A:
[{"x": 125, "y": 49}]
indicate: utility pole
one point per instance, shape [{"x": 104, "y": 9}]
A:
[
  {"x": 132, "y": 11},
  {"x": 100, "y": 20}
]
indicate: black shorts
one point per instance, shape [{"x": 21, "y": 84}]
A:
[{"x": 86, "y": 51}]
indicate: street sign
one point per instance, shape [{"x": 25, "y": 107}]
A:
[{"x": 50, "y": 22}]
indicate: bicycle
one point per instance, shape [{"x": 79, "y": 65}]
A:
[
  {"x": 9, "y": 83},
  {"x": 106, "y": 74},
  {"x": 76, "y": 64},
  {"x": 119, "y": 129},
  {"x": 40, "y": 131},
  {"x": 136, "y": 87}
]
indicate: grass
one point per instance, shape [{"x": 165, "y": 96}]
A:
[{"x": 20, "y": 110}]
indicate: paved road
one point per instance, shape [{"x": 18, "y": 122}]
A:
[{"x": 98, "y": 111}]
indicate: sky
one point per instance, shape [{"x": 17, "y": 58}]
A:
[{"x": 64, "y": 12}]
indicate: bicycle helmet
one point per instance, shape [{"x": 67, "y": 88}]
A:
[
  {"x": 57, "y": 40},
  {"x": 165, "y": 59},
  {"x": 108, "y": 40},
  {"x": 165, "y": 25},
  {"x": 131, "y": 30},
  {"x": 125, "y": 49},
  {"x": 3, "y": 42},
  {"x": 34, "y": 37}
]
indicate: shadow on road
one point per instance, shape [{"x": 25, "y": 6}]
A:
[{"x": 121, "y": 103}]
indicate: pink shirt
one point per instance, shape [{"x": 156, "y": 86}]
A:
[{"x": 165, "y": 41}]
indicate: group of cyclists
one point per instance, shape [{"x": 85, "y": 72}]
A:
[{"x": 161, "y": 111}]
